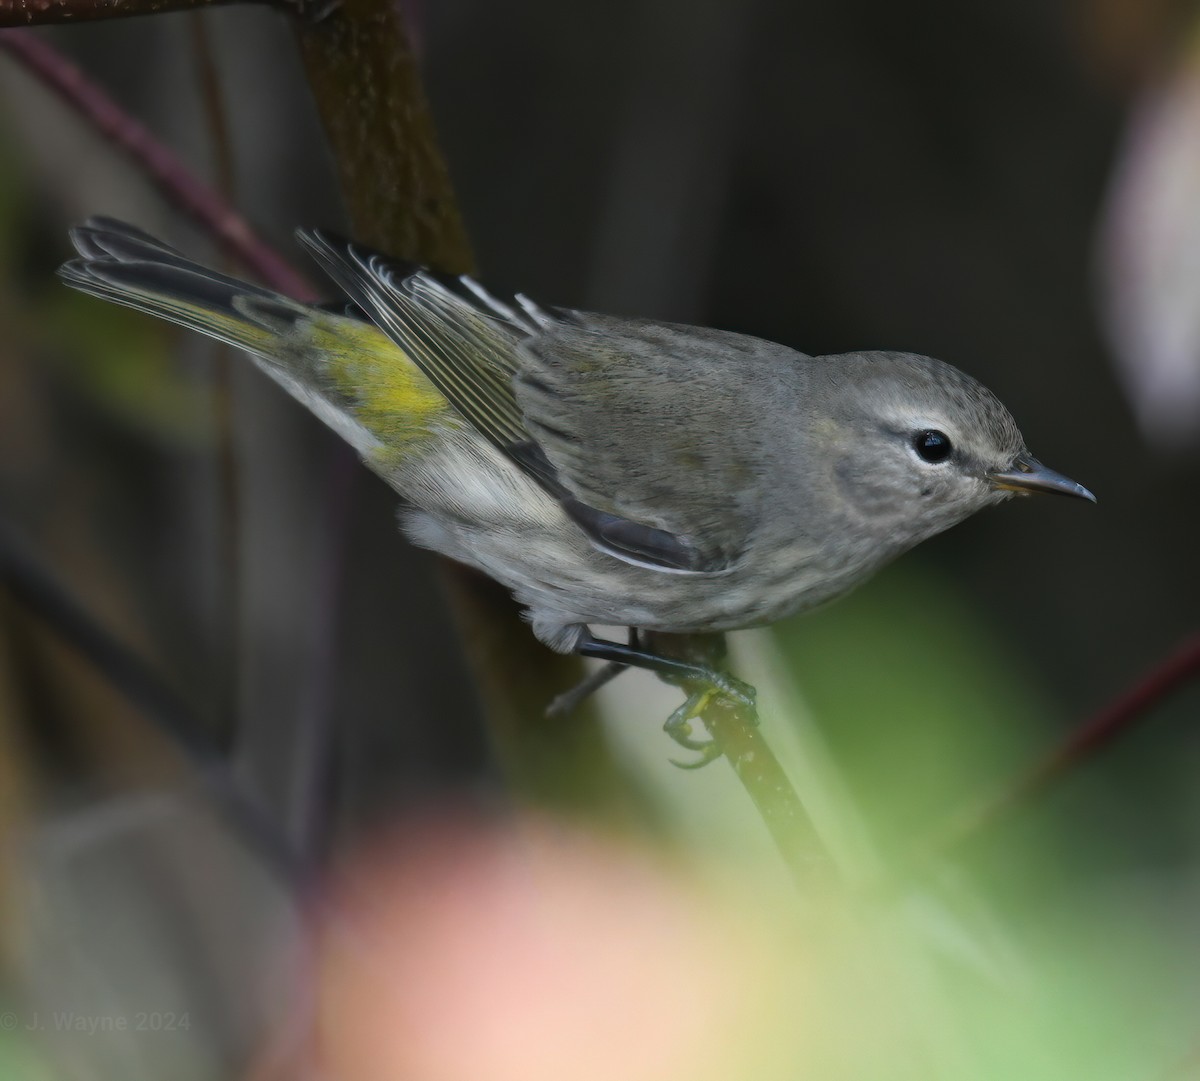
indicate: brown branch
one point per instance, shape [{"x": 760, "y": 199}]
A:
[
  {"x": 398, "y": 191},
  {"x": 758, "y": 770},
  {"x": 15, "y": 13},
  {"x": 173, "y": 178},
  {"x": 1083, "y": 743},
  {"x": 393, "y": 178},
  {"x": 399, "y": 198}
]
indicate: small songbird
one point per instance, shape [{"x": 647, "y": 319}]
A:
[{"x": 606, "y": 470}]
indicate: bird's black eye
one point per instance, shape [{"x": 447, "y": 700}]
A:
[{"x": 932, "y": 446}]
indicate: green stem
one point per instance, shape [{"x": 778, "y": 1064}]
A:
[{"x": 741, "y": 742}]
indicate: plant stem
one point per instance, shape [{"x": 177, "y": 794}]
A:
[
  {"x": 229, "y": 514},
  {"x": 735, "y": 728},
  {"x": 174, "y": 179},
  {"x": 14, "y": 13},
  {"x": 1085, "y": 741},
  {"x": 398, "y": 194}
]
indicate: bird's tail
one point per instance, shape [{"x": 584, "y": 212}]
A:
[
  {"x": 127, "y": 266},
  {"x": 342, "y": 368}
]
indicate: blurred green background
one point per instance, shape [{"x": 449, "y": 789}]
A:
[{"x": 935, "y": 177}]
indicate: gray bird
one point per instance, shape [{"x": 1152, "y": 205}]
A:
[{"x": 607, "y": 471}]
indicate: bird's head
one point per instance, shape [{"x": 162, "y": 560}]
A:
[{"x": 919, "y": 445}]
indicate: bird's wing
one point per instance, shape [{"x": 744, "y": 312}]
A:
[
  {"x": 655, "y": 426},
  {"x": 635, "y": 428},
  {"x": 466, "y": 349}
]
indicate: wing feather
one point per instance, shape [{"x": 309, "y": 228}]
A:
[
  {"x": 466, "y": 355},
  {"x": 560, "y": 396}
]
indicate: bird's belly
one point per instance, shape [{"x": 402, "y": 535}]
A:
[
  {"x": 494, "y": 518},
  {"x": 558, "y": 573}
]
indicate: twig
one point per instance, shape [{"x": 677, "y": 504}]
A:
[
  {"x": 762, "y": 777},
  {"x": 224, "y": 406},
  {"x": 47, "y": 12},
  {"x": 741, "y": 742},
  {"x": 311, "y": 753},
  {"x": 177, "y": 183},
  {"x": 215, "y": 111},
  {"x": 1083, "y": 743},
  {"x": 398, "y": 195},
  {"x": 30, "y": 585},
  {"x": 569, "y": 701}
]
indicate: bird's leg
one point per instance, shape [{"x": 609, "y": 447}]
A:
[
  {"x": 673, "y": 669},
  {"x": 702, "y": 681},
  {"x": 569, "y": 700}
]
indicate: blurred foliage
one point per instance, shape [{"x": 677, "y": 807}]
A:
[
  {"x": 21, "y": 1061},
  {"x": 1149, "y": 247},
  {"x": 1042, "y": 965},
  {"x": 923, "y": 702},
  {"x": 13, "y": 195},
  {"x": 126, "y": 366}
]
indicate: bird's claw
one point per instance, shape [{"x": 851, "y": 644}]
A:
[
  {"x": 679, "y": 728},
  {"x": 738, "y": 690},
  {"x": 679, "y": 724}
]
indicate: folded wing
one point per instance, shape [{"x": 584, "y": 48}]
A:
[{"x": 622, "y": 422}]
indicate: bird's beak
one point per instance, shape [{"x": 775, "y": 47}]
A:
[{"x": 1029, "y": 475}]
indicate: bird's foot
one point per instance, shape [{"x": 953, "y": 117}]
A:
[
  {"x": 737, "y": 691},
  {"x": 679, "y": 725},
  {"x": 679, "y": 728},
  {"x": 700, "y": 678}
]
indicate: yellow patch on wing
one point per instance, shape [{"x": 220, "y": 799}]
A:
[{"x": 380, "y": 386}]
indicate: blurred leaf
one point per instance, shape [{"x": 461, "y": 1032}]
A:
[
  {"x": 18, "y": 1060},
  {"x": 13, "y": 203},
  {"x": 923, "y": 706},
  {"x": 1150, "y": 255},
  {"x": 922, "y": 703},
  {"x": 126, "y": 363}
]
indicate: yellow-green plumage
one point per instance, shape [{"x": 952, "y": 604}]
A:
[
  {"x": 386, "y": 392},
  {"x": 344, "y": 368}
]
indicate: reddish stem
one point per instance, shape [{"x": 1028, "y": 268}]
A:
[
  {"x": 1084, "y": 742},
  {"x": 177, "y": 183}
]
